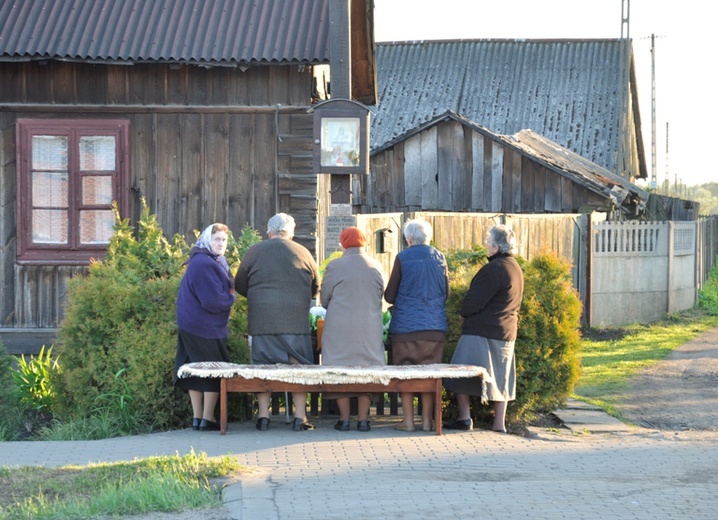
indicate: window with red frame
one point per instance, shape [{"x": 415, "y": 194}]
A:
[{"x": 69, "y": 173}]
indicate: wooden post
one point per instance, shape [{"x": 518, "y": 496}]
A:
[{"x": 340, "y": 80}]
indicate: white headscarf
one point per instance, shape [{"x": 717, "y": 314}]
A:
[{"x": 205, "y": 241}]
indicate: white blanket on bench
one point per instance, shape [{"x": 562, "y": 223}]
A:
[{"x": 320, "y": 374}]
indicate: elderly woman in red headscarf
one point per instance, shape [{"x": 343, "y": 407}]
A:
[{"x": 352, "y": 291}]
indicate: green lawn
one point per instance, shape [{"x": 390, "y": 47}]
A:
[{"x": 610, "y": 357}]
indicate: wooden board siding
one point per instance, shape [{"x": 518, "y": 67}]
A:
[
  {"x": 496, "y": 177},
  {"x": 203, "y": 148},
  {"x": 44, "y": 289},
  {"x": 477, "y": 172},
  {"x": 450, "y": 166},
  {"x": 146, "y": 84},
  {"x": 7, "y": 218}
]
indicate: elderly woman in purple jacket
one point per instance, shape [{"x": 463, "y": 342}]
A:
[{"x": 204, "y": 300}]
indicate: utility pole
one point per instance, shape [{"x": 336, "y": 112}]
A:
[
  {"x": 625, "y": 12},
  {"x": 623, "y": 155},
  {"x": 654, "y": 175}
]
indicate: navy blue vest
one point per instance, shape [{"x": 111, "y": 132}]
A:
[{"x": 420, "y": 301}]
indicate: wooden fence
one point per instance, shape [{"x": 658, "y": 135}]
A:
[{"x": 625, "y": 272}]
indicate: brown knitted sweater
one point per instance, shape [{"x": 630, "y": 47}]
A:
[{"x": 279, "y": 278}]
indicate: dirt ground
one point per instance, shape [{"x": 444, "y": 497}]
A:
[{"x": 679, "y": 393}]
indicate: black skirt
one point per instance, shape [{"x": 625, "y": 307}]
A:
[{"x": 192, "y": 349}]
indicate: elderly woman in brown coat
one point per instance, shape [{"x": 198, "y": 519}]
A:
[{"x": 352, "y": 291}]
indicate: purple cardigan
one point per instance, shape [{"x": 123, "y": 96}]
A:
[{"x": 205, "y": 296}]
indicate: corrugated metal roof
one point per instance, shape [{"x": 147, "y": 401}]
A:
[
  {"x": 566, "y": 90},
  {"x": 208, "y": 32}
]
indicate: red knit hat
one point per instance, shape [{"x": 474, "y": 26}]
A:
[{"x": 352, "y": 237}]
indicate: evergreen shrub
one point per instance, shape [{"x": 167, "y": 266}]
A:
[
  {"x": 548, "y": 342},
  {"x": 121, "y": 319},
  {"x": 11, "y": 416}
]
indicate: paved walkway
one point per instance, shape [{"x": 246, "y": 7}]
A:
[{"x": 325, "y": 474}]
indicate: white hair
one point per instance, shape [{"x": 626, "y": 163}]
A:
[
  {"x": 282, "y": 225},
  {"x": 417, "y": 231},
  {"x": 504, "y": 238}
]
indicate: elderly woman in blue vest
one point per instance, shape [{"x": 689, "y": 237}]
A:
[
  {"x": 418, "y": 287},
  {"x": 490, "y": 310},
  {"x": 205, "y": 297}
]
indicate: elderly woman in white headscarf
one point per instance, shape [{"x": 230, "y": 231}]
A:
[{"x": 204, "y": 300}]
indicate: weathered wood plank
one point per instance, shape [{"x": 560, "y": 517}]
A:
[
  {"x": 265, "y": 176},
  {"x": 168, "y": 170},
  {"x": 429, "y": 169},
  {"x": 12, "y": 86},
  {"x": 259, "y": 86},
  {"x": 496, "y": 179},
  {"x": 553, "y": 192},
  {"x": 146, "y": 84},
  {"x": 176, "y": 85},
  {"x": 142, "y": 162},
  {"x": 38, "y": 84},
  {"x": 567, "y": 204},
  {"x": 446, "y": 162},
  {"x": 412, "y": 171},
  {"x": 240, "y": 197},
  {"x": 188, "y": 175},
  {"x": 477, "y": 171},
  {"x": 63, "y": 82},
  {"x": 528, "y": 178},
  {"x": 539, "y": 188},
  {"x": 214, "y": 178}
]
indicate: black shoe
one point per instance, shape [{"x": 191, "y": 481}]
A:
[
  {"x": 466, "y": 425},
  {"x": 342, "y": 426},
  {"x": 195, "y": 423},
  {"x": 209, "y": 426},
  {"x": 299, "y": 425},
  {"x": 364, "y": 426},
  {"x": 263, "y": 424}
]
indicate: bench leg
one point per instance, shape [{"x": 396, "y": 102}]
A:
[
  {"x": 223, "y": 406},
  {"x": 437, "y": 406}
]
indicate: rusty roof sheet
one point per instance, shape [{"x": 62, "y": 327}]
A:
[
  {"x": 569, "y": 91},
  {"x": 204, "y": 32},
  {"x": 577, "y": 168}
]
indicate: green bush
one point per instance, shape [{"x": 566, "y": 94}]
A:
[
  {"x": 11, "y": 416},
  {"x": 121, "y": 319},
  {"x": 708, "y": 295},
  {"x": 548, "y": 342}
]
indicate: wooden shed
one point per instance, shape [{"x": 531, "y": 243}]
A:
[
  {"x": 453, "y": 164},
  {"x": 200, "y": 107}
]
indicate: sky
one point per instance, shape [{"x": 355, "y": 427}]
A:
[{"x": 685, "y": 47}]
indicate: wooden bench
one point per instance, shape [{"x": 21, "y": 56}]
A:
[{"x": 320, "y": 378}]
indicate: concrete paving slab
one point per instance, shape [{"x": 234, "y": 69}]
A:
[{"x": 579, "y": 416}]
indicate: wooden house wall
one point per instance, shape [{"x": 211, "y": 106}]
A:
[
  {"x": 452, "y": 167},
  {"x": 206, "y": 145}
]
